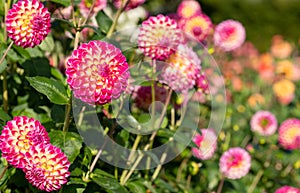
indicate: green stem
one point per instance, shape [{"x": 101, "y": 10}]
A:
[
  {"x": 158, "y": 168},
  {"x": 3, "y": 172},
  {"x": 67, "y": 115},
  {"x": 255, "y": 181},
  {"x": 220, "y": 187},
  {"x": 115, "y": 21},
  {"x": 5, "y": 53}
]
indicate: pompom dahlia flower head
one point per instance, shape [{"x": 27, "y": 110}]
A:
[
  {"x": 287, "y": 189},
  {"x": 188, "y": 8},
  {"x": 85, "y": 6},
  {"x": 229, "y": 35},
  {"x": 207, "y": 144},
  {"x": 182, "y": 69},
  {"x": 264, "y": 123},
  {"x": 284, "y": 90},
  {"x": 131, "y": 4},
  {"x": 159, "y": 37},
  {"x": 289, "y": 134},
  {"x": 18, "y": 135},
  {"x": 25, "y": 144},
  {"x": 47, "y": 167},
  {"x": 235, "y": 163},
  {"x": 197, "y": 27},
  {"x": 97, "y": 72},
  {"x": 28, "y": 23}
]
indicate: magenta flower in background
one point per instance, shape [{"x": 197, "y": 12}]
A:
[
  {"x": 47, "y": 167},
  {"x": 143, "y": 96},
  {"x": 229, "y": 35},
  {"x": 188, "y": 8},
  {"x": 182, "y": 69},
  {"x": 207, "y": 144},
  {"x": 97, "y": 72},
  {"x": 198, "y": 27},
  {"x": 85, "y": 6},
  {"x": 289, "y": 134},
  {"x": 235, "y": 163},
  {"x": 28, "y": 23},
  {"x": 287, "y": 189},
  {"x": 159, "y": 37},
  {"x": 264, "y": 123},
  {"x": 18, "y": 135},
  {"x": 131, "y": 4},
  {"x": 202, "y": 83}
]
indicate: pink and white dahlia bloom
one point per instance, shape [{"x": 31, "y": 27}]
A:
[
  {"x": 207, "y": 144},
  {"x": 182, "y": 69},
  {"x": 97, "y": 72},
  {"x": 85, "y": 6},
  {"x": 28, "y": 23},
  {"x": 264, "y": 123},
  {"x": 287, "y": 189},
  {"x": 130, "y": 5},
  {"x": 18, "y": 135},
  {"x": 159, "y": 37},
  {"x": 188, "y": 8},
  {"x": 47, "y": 167},
  {"x": 235, "y": 163},
  {"x": 229, "y": 35},
  {"x": 289, "y": 134},
  {"x": 198, "y": 27}
]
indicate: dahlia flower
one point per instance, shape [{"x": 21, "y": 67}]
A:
[
  {"x": 47, "y": 167},
  {"x": 182, "y": 69},
  {"x": 202, "y": 83},
  {"x": 235, "y": 163},
  {"x": 85, "y": 6},
  {"x": 188, "y": 8},
  {"x": 264, "y": 123},
  {"x": 229, "y": 35},
  {"x": 18, "y": 135},
  {"x": 159, "y": 37},
  {"x": 281, "y": 48},
  {"x": 287, "y": 189},
  {"x": 207, "y": 144},
  {"x": 143, "y": 96},
  {"x": 97, "y": 72},
  {"x": 28, "y": 23},
  {"x": 284, "y": 90},
  {"x": 198, "y": 27},
  {"x": 255, "y": 100},
  {"x": 131, "y": 4},
  {"x": 289, "y": 134},
  {"x": 286, "y": 69}
]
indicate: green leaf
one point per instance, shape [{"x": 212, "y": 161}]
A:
[
  {"x": 37, "y": 67},
  {"x": 136, "y": 187},
  {"x": 70, "y": 143},
  {"x": 62, "y": 2},
  {"x": 4, "y": 116},
  {"x": 54, "y": 90},
  {"x": 47, "y": 44},
  {"x": 103, "y": 21},
  {"x": 3, "y": 65},
  {"x": 108, "y": 182}
]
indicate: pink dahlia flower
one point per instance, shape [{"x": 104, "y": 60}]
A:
[
  {"x": 207, "y": 144},
  {"x": 202, "y": 83},
  {"x": 182, "y": 69},
  {"x": 18, "y": 135},
  {"x": 287, "y": 189},
  {"x": 28, "y": 23},
  {"x": 229, "y": 35},
  {"x": 198, "y": 27},
  {"x": 47, "y": 167},
  {"x": 97, "y": 72},
  {"x": 188, "y": 8},
  {"x": 235, "y": 163},
  {"x": 264, "y": 123},
  {"x": 289, "y": 134},
  {"x": 159, "y": 37},
  {"x": 130, "y": 5},
  {"x": 85, "y": 6}
]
